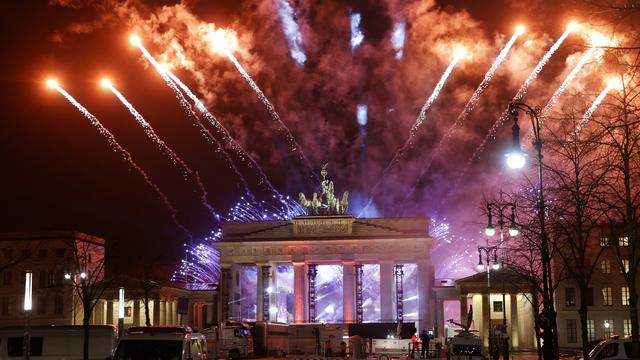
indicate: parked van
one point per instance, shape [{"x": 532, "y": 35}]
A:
[
  {"x": 612, "y": 349},
  {"x": 58, "y": 342},
  {"x": 232, "y": 340},
  {"x": 161, "y": 343}
]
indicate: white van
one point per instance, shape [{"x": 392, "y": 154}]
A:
[
  {"x": 58, "y": 342},
  {"x": 161, "y": 343},
  {"x": 232, "y": 340},
  {"x": 612, "y": 349}
]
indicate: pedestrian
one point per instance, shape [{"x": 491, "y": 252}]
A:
[
  {"x": 343, "y": 348},
  {"x": 414, "y": 345},
  {"x": 424, "y": 337},
  {"x": 327, "y": 348}
]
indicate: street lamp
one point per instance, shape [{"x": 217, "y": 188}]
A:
[
  {"x": 28, "y": 305},
  {"x": 516, "y": 159},
  {"x": 83, "y": 275},
  {"x": 120, "y": 311}
]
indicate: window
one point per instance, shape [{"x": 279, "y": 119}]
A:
[
  {"x": 60, "y": 252},
  {"x": 51, "y": 278},
  {"x": 42, "y": 278},
  {"x": 625, "y": 266},
  {"x": 624, "y": 294},
  {"x": 626, "y": 327},
  {"x": 26, "y": 253},
  {"x": 58, "y": 305},
  {"x": 42, "y": 253},
  {"x": 590, "y": 296},
  {"x": 59, "y": 278},
  {"x": 14, "y": 346},
  {"x": 607, "y": 296},
  {"x": 41, "y": 306},
  {"x": 609, "y": 351},
  {"x": 605, "y": 266},
  {"x": 8, "y": 253},
  {"x": 608, "y": 328},
  {"x": 570, "y": 296},
  {"x": 4, "y": 306},
  {"x": 604, "y": 241},
  {"x": 591, "y": 330},
  {"x": 497, "y": 306},
  {"x": 623, "y": 241},
  {"x": 572, "y": 333},
  {"x": 6, "y": 278}
]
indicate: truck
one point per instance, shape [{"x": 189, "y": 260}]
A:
[
  {"x": 58, "y": 342},
  {"x": 162, "y": 343},
  {"x": 231, "y": 339}
]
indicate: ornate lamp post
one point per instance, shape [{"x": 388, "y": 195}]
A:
[
  {"x": 516, "y": 159},
  {"x": 499, "y": 209}
]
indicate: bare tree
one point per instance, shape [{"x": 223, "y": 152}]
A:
[
  {"x": 575, "y": 173},
  {"x": 88, "y": 280}
]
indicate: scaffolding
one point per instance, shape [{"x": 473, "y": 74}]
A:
[
  {"x": 399, "y": 272},
  {"x": 311, "y": 275},
  {"x": 359, "y": 298}
]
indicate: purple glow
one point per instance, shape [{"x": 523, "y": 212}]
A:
[
  {"x": 371, "y": 293},
  {"x": 284, "y": 294},
  {"x": 329, "y": 294},
  {"x": 410, "y": 299},
  {"x": 248, "y": 296}
]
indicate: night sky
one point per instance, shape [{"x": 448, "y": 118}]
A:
[{"x": 59, "y": 173}]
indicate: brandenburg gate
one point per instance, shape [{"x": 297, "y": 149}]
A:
[{"x": 327, "y": 267}]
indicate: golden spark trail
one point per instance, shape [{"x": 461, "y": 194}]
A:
[
  {"x": 476, "y": 96},
  {"x": 416, "y": 125},
  {"x": 594, "y": 106},
  {"x": 166, "y": 76},
  {"x": 116, "y": 147},
  {"x": 293, "y": 144},
  {"x": 187, "y": 172},
  {"x": 522, "y": 92}
]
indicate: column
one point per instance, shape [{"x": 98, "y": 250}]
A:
[
  {"x": 224, "y": 290},
  {"x": 312, "y": 272},
  {"x": 267, "y": 289},
  {"x": 348, "y": 291},
  {"x": 486, "y": 318},
  {"x": 440, "y": 317},
  {"x": 235, "y": 311},
  {"x": 260, "y": 290},
  {"x": 155, "y": 319},
  {"x": 386, "y": 291},
  {"x": 464, "y": 309},
  {"x": 299, "y": 291},
  {"x": 513, "y": 325},
  {"x": 163, "y": 312},
  {"x": 425, "y": 298},
  {"x": 136, "y": 312},
  {"x": 110, "y": 312}
]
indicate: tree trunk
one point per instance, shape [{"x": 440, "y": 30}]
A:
[
  {"x": 536, "y": 310},
  {"x": 147, "y": 317},
  {"x": 583, "y": 321},
  {"x": 86, "y": 319},
  {"x": 633, "y": 312}
]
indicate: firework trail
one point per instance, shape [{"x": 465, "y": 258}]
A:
[
  {"x": 218, "y": 37},
  {"x": 187, "y": 172},
  {"x": 594, "y": 106},
  {"x": 291, "y": 30},
  {"x": 204, "y": 270},
  {"x": 116, "y": 147},
  {"x": 472, "y": 103},
  {"x": 523, "y": 91},
  {"x": 261, "y": 211},
  {"x": 171, "y": 81},
  {"x": 419, "y": 121}
]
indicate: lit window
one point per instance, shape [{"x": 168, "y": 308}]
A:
[
  {"x": 627, "y": 327},
  {"x": 608, "y": 328},
  {"x": 625, "y": 266},
  {"x": 591, "y": 329},
  {"x": 623, "y": 241},
  {"x": 572, "y": 333},
  {"x": 624, "y": 293},
  {"x": 605, "y": 266},
  {"x": 607, "y": 297},
  {"x": 570, "y": 296},
  {"x": 604, "y": 241}
]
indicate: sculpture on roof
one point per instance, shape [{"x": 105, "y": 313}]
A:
[{"x": 326, "y": 203}]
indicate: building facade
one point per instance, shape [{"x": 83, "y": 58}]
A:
[{"x": 333, "y": 268}]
